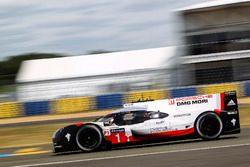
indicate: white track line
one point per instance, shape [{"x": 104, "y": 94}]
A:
[{"x": 133, "y": 155}]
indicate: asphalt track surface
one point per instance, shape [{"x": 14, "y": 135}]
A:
[{"x": 230, "y": 151}]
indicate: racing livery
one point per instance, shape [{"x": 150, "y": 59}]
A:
[{"x": 204, "y": 116}]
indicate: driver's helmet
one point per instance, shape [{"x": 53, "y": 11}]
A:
[{"x": 111, "y": 121}]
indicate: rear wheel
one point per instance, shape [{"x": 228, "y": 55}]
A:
[
  {"x": 209, "y": 126},
  {"x": 89, "y": 138}
]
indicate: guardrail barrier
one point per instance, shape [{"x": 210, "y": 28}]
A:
[{"x": 83, "y": 104}]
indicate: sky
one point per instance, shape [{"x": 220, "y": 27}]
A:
[{"x": 76, "y": 27}]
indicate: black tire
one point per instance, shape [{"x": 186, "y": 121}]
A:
[
  {"x": 209, "y": 126},
  {"x": 89, "y": 138}
]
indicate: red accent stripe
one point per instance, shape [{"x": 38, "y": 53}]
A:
[
  {"x": 78, "y": 124},
  {"x": 218, "y": 111},
  {"x": 175, "y": 133},
  {"x": 222, "y": 105}
]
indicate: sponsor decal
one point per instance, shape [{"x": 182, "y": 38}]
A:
[
  {"x": 182, "y": 115},
  {"x": 117, "y": 130},
  {"x": 192, "y": 102},
  {"x": 106, "y": 132},
  {"x": 171, "y": 102},
  {"x": 159, "y": 129},
  {"x": 232, "y": 112},
  {"x": 67, "y": 136},
  {"x": 161, "y": 122},
  {"x": 191, "y": 98},
  {"x": 233, "y": 121},
  {"x": 231, "y": 103}
]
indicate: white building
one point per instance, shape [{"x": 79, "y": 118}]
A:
[{"x": 96, "y": 74}]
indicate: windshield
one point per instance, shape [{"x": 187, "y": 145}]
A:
[
  {"x": 117, "y": 113},
  {"x": 105, "y": 118}
]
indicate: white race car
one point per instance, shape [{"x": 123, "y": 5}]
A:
[{"x": 205, "y": 116}]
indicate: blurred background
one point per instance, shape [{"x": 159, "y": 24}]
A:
[{"x": 83, "y": 56}]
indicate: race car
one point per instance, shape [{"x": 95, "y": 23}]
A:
[{"x": 204, "y": 116}]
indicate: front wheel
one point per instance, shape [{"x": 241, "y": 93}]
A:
[
  {"x": 209, "y": 126},
  {"x": 89, "y": 138}
]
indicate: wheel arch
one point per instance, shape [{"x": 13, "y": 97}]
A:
[
  {"x": 91, "y": 125},
  {"x": 204, "y": 113}
]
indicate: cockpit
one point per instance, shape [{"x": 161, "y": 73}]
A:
[{"x": 130, "y": 116}]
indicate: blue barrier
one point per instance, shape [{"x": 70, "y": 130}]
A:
[
  {"x": 115, "y": 100},
  {"x": 109, "y": 101},
  {"x": 180, "y": 92},
  {"x": 36, "y": 108},
  {"x": 247, "y": 88}
]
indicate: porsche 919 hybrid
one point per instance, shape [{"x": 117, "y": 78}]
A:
[{"x": 204, "y": 116}]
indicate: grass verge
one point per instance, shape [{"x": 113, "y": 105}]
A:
[
  {"x": 245, "y": 116},
  {"x": 27, "y": 135},
  {"x": 41, "y": 134}
]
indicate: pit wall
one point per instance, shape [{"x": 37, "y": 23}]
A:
[{"x": 109, "y": 101}]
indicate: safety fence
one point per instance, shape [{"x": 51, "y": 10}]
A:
[{"x": 109, "y": 101}]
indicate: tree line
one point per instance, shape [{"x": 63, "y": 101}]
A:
[{"x": 10, "y": 66}]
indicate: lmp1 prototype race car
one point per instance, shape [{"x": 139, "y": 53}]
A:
[{"x": 204, "y": 116}]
